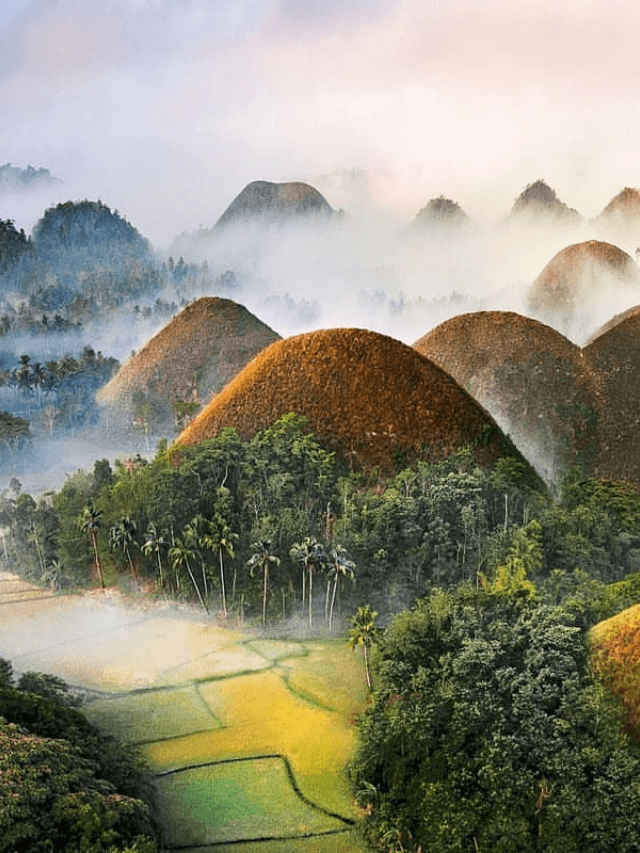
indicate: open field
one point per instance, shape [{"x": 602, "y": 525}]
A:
[{"x": 248, "y": 736}]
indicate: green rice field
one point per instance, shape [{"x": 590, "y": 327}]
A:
[{"x": 247, "y": 737}]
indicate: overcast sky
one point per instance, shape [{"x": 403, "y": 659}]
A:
[{"x": 165, "y": 109}]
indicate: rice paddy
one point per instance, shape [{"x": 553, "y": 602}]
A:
[{"x": 247, "y": 737}]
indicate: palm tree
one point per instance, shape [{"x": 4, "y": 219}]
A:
[
  {"x": 180, "y": 554},
  {"x": 311, "y": 555},
  {"x": 262, "y": 558},
  {"x": 364, "y": 632},
  {"x": 339, "y": 566},
  {"x": 154, "y": 543},
  {"x": 220, "y": 538},
  {"x": 122, "y": 536},
  {"x": 194, "y": 533},
  {"x": 90, "y": 523}
]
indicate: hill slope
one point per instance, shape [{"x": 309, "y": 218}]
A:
[
  {"x": 269, "y": 202},
  {"x": 191, "y": 358},
  {"x": 534, "y": 382},
  {"x": 581, "y": 273},
  {"x": 369, "y": 397}
]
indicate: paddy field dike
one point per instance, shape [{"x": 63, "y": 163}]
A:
[{"x": 247, "y": 737}]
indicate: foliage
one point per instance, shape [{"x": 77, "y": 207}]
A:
[
  {"x": 488, "y": 731},
  {"x": 63, "y": 785}
]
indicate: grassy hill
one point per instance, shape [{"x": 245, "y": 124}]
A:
[
  {"x": 189, "y": 360},
  {"x": 373, "y": 399}
]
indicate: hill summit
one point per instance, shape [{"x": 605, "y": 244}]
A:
[
  {"x": 272, "y": 203},
  {"x": 441, "y": 212},
  {"x": 191, "y": 358},
  {"x": 580, "y": 273},
  {"x": 371, "y": 398},
  {"x": 539, "y": 201}
]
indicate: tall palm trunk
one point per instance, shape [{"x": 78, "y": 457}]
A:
[
  {"x": 195, "y": 585},
  {"x": 264, "y": 595},
  {"x": 310, "y": 596},
  {"x": 222, "y": 586},
  {"x": 94, "y": 542}
]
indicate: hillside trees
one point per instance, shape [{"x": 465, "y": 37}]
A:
[{"x": 488, "y": 731}]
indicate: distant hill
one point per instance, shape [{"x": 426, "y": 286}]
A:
[
  {"x": 621, "y": 217},
  {"x": 440, "y": 213},
  {"x": 374, "y": 400},
  {"x": 580, "y": 273},
  {"x": 16, "y": 179},
  {"x": 189, "y": 360},
  {"x": 539, "y": 202},
  {"x": 271, "y": 203},
  {"x": 76, "y": 233}
]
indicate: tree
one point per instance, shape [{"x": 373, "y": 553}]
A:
[
  {"x": 338, "y": 566},
  {"x": 180, "y": 554},
  {"x": 155, "y": 543},
  {"x": 262, "y": 558},
  {"x": 311, "y": 555},
  {"x": 90, "y": 523},
  {"x": 489, "y": 731},
  {"x": 123, "y": 536},
  {"x": 364, "y": 632},
  {"x": 219, "y": 538}
]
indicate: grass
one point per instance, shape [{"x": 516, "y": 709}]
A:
[
  {"x": 249, "y": 799},
  {"x": 271, "y": 718}
]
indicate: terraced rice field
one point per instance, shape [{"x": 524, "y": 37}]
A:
[{"x": 247, "y": 737}]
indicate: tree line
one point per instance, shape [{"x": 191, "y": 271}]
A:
[{"x": 277, "y": 527}]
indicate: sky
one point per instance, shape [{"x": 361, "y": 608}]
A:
[{"x": 166, "y": 109}]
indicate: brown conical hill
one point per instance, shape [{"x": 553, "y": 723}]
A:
[
  {"x": 189, "y": 360},
  {"x": 530, "y": 378},
  {"x": 441, "y": 213},
  {"x": 581, "y": 273},
  {"x": 268, "y": 202},
  {"x": 614, "y": 354},
  {"x": 365, "y": 395},
  {"x": 622, "y": 213}
]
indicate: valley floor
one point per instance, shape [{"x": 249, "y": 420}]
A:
[{"x": 247, "y": 736}]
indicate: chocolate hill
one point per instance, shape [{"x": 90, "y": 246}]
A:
[
  {"x": 365, "y": 395},
  {"x": 190, "y": 359},
  {"x": 614, "y": 352},
  {"x": 534, "y": 382},
  {"x": 615, "y": 653},
  {"x": 581, "y": 273},
  {"x": 441, "y": 213},
  {"x": 539, "y": 202},
  {"x": 622, "y": 215},
  {"x": 267, "y": 202}
]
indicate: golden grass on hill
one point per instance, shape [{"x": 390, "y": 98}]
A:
[
  {"x": 193, "y": 356},
  {"x": 626, "y": 205},
  {"x": 615, "y": 645},
  {"x": 365, "y": 395},
  {"x": 581, "y": 271}
]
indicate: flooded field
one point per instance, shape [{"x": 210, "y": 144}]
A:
[{"x": 247, "y": 737}]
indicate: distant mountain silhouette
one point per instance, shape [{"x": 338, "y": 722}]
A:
[
  {"x": 539, "y": 202},
  {"x": 16, "y": 179},
  {"x": 581, "y": 272},
  {"x": 190, "y": 359},
  {"x": 374, "y": 400},
  {"x": 440, "y": 213},
  {"x": 621, "y": 217},
  {"x": 267, "y": 202},
  {"x": 533, "y": 381}
]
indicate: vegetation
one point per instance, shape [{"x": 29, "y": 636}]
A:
[{"x": 64, "y": 786}]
